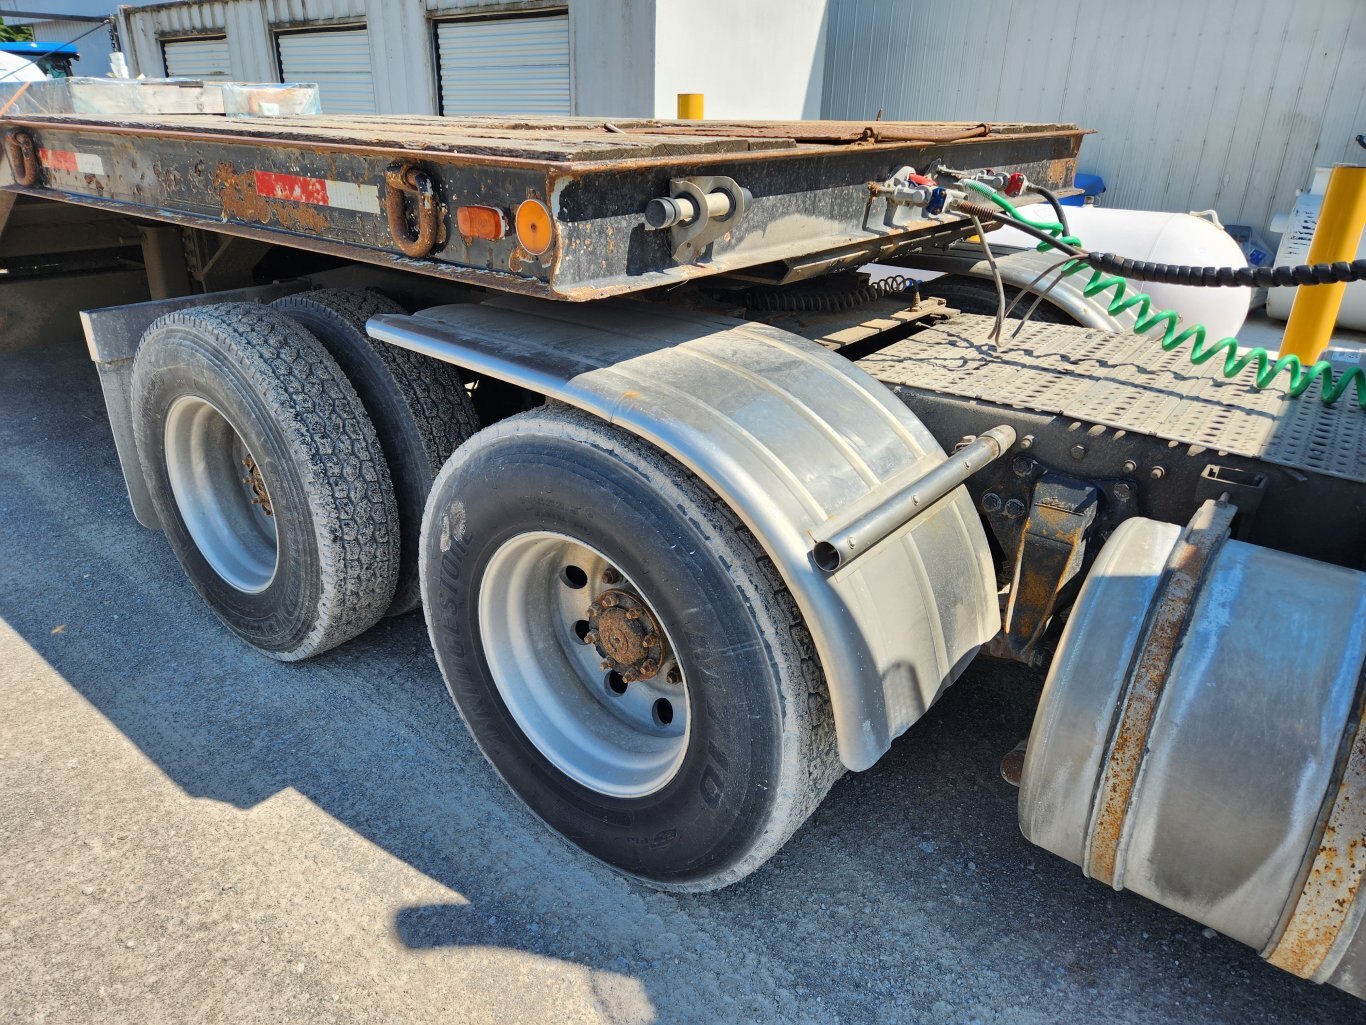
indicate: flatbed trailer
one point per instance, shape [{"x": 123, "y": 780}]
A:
[
  {"x": 728, "y": 520},
  {"x": 807, "y": 205}
]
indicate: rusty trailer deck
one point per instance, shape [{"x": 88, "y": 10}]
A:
[{"x": 354, "y": 187}]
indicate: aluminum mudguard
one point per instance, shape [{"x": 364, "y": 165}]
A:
[{"x": 789, "y": 435}]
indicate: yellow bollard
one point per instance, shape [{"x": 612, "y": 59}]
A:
[
  {"x": 690, "y": 106},
  {"x": 1341, "y": 220}
]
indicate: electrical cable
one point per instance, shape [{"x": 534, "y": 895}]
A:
[
  {"x": 1068, "y": 244},
  {"x": 996, "y": 277},
  {"x": 1268, "y": 369},
  {"x": 1029, "y": 288},
  {"x": 1058, "y": 210},
  {"x": 43, "y": 56}
]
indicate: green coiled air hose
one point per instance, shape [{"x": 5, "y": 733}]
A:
[{"x": 1333, "y": 385}]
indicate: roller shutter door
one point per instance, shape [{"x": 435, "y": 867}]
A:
[
  {"x": 504, "y": 66},
  {"x": 197, "y": 58},
  {"x": 338, "y": 61}
]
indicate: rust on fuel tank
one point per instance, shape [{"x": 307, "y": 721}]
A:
[
  {"x": 1333, "y": 884},
  {"x": 1167, "y": 619}
]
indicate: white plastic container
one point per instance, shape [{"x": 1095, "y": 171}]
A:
[
  {"x": 1160, "y": 238},
  {"x": 1297, "y": 233}
]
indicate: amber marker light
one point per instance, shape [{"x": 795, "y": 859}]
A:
[
  {"x": 481, "y": 222},
  {"x": 535, "y": 228}
]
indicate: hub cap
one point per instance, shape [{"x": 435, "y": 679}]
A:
[
  {"x": 583, "y": 664},
  {"x": 221, "y": 494}
]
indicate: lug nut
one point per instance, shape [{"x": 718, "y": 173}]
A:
[
  {"x": 590, "y": 638},
  {"x": 630, "y": 676},
  {"x": 648, "y": 668},
  {"x": 675, "y": 675},
  {"x": 609, "y": 600},
  {"x": 650, "y": 640},
  {"x": 632, "y": 613},
  {"x": 610, "y": 576},
  {"x": 606, "y": 663}
]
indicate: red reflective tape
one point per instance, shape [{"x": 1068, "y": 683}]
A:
[
  {"x": 292, "y": 187},
  {"x": 57, "y": 159}
]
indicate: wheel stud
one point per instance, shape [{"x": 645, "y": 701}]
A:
[
  {"x": 590, "y": 638},
  {"x": 608, "y": 600}
]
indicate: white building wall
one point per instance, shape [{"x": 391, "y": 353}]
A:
[
  {"x": 750, "y": 59},
  {"x": 612, "y": 57},
  {"x": 1216, "y": 104}
]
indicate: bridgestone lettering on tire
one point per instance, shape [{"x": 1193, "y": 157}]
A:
[
  {"x": 418, "y": 405},
  {"x": 304, "y": 554},
  {"x": 742, "y": 753}
]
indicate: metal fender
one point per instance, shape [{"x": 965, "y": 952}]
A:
[{"x": 789, "y": 435}]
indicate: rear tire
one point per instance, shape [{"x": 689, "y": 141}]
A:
[
  {"x": 554, "y": 507},
  {"x": 266, "y": 476},
  {"x": 419, "y": 406}
]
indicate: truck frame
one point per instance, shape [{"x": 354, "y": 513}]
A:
[{"x": 701, "y": 515}]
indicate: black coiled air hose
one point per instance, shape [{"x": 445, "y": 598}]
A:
[
  {"x": 1228, "y": 277},
  {"x": 1174, "y": 274}
]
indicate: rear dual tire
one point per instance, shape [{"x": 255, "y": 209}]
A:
[
  {"x": 267, "y": 477},
  {"x": 510, "y": 518},
  {"x": 419, "y": 406}
]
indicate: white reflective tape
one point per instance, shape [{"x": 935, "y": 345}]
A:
[
  {"x": 89, "y": 163},
  {"x": 364, "y": 198}
]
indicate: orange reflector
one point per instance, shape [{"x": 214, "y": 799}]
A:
[
  {"x": 535, "y": 229},
  {"x": 481, "y": 222}
]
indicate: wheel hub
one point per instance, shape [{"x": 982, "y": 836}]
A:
[{"x": 625, "y": 633}]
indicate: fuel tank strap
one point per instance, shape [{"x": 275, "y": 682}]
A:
[{"x": 1168, "y": 616}]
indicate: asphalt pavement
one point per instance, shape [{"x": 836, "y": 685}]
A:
[{"x": 190, "y": 832}]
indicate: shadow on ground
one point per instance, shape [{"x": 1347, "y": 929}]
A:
[{"x": 910, "y": 896}]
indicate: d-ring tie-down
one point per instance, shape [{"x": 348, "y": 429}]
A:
[
  {"x": 23, "y": 156},
  {"x": 402, "y": 179}
]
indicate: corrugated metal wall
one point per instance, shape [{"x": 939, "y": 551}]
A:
[
  {"x": 504, "y": 66},
  {"x": 1199, "y": 104},
  {"x": 338, "y": 61},
  {"x": 197, "y": 58},
  {"x": 402, "y": 37}
]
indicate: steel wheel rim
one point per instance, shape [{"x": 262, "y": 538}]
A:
[
  {"x": 531, "y": 616},
  {"x": 221, "y": 494}
]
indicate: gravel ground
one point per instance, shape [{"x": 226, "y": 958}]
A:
[{"x": 191, "y": 832}]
